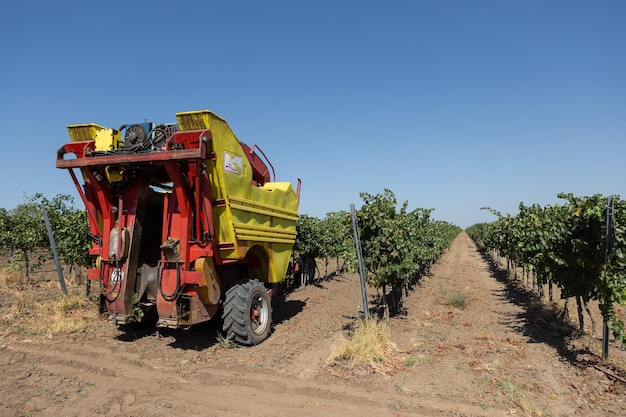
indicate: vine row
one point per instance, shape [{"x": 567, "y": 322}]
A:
[{"x": 579, "y": 245}]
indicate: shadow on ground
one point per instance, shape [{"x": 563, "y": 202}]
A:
[
  {"x": 540, "y": 321},
  {"x": 207, "y": 334}
]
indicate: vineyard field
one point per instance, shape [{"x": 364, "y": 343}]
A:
[{"x": 469, "y": 342}]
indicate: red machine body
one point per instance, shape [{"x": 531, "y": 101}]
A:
[{"x": 155, "y": 215}]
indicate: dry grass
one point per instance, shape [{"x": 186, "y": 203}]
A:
[
  {"x": 457, "y": 298},
  {"x": 369, "y": 348},
  {"x": 50, "y": 316},
  {"x": 40, "y": 308},
  {"x": 12, "y": 279}
]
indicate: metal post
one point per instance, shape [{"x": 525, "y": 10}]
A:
[
  {"x": 608, "y": 250},
  {"x": 54, "y": 249},
  {"x": 357, "y": 242}
]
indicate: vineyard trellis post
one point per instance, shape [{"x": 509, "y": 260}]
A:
[
  {"x": 53, "y": 246},
  {"x": 359, "y": 255},
  {"x": 607, "y": 252}
]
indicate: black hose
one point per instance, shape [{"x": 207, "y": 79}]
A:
[{"x": 174, "y": 295}]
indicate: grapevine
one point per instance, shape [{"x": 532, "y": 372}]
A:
[{"x": 567, "y": 244}]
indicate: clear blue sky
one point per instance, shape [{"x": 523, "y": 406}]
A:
[{"x": 453, "y": 105}]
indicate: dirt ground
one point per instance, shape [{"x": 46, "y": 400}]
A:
[{"x": 501, "y": 353}]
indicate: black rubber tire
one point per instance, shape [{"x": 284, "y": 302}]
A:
[{"x": 247, "y": 315}]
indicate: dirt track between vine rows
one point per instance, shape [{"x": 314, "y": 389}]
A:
[{"x": 497, "y": 355}]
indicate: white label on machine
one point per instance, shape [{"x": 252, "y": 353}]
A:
[
  {"x": 117, "y": 275},
  {"x": 232, "y": 163}
]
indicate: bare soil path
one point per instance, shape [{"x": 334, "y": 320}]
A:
[
  {"x": 504, "y": 352},
  {"x": 470, "y": 343}
]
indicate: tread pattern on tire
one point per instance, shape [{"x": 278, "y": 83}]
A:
[{"x": 236, "y": 312}]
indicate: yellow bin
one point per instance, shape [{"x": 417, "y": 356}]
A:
[
  {"x": 106, "y": 139},
  {"x": 83, "y": 132}
]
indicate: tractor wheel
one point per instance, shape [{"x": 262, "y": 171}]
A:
[{"x": 247, "y": 313}]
